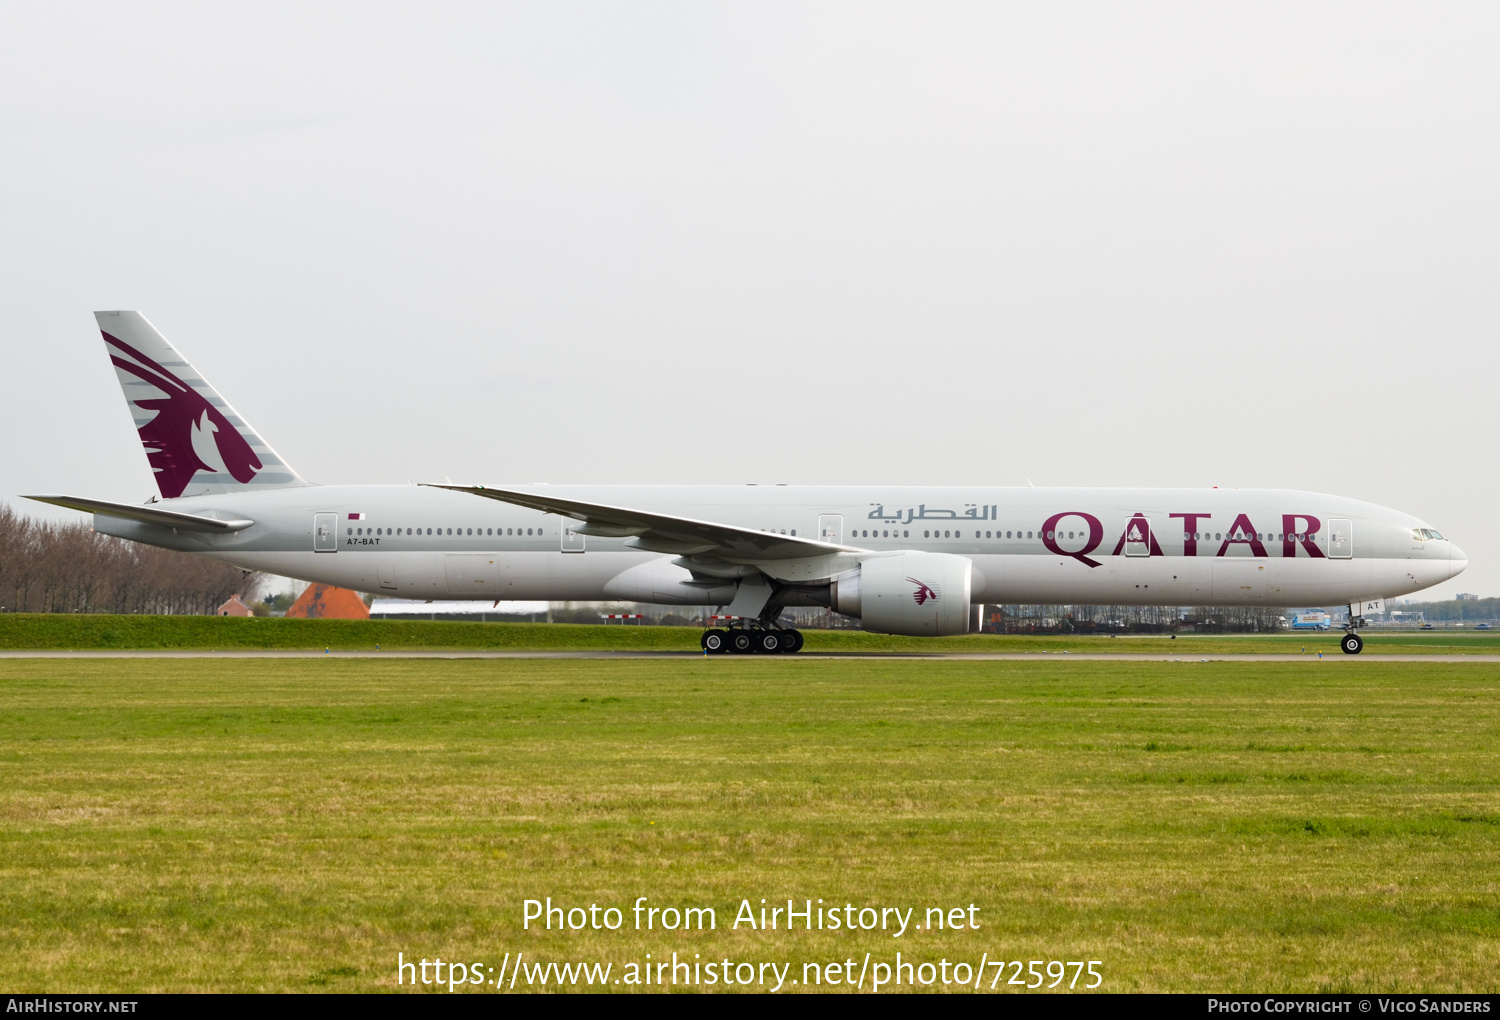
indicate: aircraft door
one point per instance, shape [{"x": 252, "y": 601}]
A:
[
  {"x": 1340, "y": 539},
  {"x": 386, "y": 570},
  {"x": 831, "y": 528},
  {"x": 1239, "y": 581},
  {"x": 1138, "y": 537},
  {"x": 572, "y": 541},
  {"x": 325, "y": 532},
  {"x": 471, "y": 575}
]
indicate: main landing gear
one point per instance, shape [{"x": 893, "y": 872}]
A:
[{"x": 752, "y": 639}]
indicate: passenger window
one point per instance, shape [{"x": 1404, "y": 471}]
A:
[
  {"x": 905, "y": 534},
  {"x": 925, "y": 535},
  {"x": 348, "y": 531},
  {"x": 794, "y": 532}
]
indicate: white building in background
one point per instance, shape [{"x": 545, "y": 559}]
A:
[{"x": 415, "y": 609}]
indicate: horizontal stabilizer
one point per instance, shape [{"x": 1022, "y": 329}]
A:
[
  {"x": 663, "y": 533},
  {"x": 145, "y": 514}
]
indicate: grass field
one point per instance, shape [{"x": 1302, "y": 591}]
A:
[
  {"x": 293, "y": 825},
  {"x": 44, "y": 631}
]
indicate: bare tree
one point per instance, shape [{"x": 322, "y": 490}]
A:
[{"x": 69, "y": 568}]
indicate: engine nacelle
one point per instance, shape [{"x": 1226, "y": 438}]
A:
[{"x": 917, "y": 593}]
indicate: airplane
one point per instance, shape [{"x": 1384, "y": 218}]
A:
[{"x": 914, "y": 560}]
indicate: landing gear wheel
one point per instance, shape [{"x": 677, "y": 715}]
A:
[
  {"x": 791, "y": 641},
  {"x": 740, "y": 642},
  {"x": 715, "y": 642},
  {"x": 768, "y": 642},
  {"x": 1352, "y": 644}
]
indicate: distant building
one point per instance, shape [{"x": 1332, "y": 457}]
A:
[
  {"x": 234, "y": 607},
  {"x": 1467, "y": 595},
  {"x": 325, "y": 602},
  {"x": 415, "y": 609}
]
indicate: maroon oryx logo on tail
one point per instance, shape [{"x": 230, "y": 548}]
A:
[
  {"x": 186, "y": 434},
  {"x": 925, "y": 592}
]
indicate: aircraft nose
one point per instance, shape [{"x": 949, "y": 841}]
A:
[{"x": 1457, "y": 560}]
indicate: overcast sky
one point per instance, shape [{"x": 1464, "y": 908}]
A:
[{"x": 1081, "y": 244}]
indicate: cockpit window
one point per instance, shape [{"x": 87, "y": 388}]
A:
[
  {"x": 1417, "y": 536},
  {"x": 1432, "y": 534}
]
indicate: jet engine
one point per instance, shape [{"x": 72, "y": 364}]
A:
[{"x": 917, "y": 593}]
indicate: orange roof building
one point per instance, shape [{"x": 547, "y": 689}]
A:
[{"x": 325, "y": 602}]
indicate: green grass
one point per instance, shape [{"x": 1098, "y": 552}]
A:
[
  {"x": 43, "y": 631},
  {"x": 293, "y": 825}
]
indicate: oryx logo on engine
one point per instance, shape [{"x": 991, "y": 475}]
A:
[{"x": 924, "y": 592}]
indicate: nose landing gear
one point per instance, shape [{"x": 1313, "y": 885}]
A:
[{"x": 1352, "y": 643}]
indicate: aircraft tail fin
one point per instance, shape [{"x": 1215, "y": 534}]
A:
[{"x": 195, "y": 441}]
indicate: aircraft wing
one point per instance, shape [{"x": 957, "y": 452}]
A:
[
  {"x": 663, "y": 533},
  {"x": 146, "y": 514}
]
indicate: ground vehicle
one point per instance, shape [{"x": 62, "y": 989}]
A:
[{"x": 1310, "y": 619}]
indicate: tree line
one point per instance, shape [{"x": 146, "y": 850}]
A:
[
  {"x": 48, "y": 567},
  {"x": 1453, "y": 610}
]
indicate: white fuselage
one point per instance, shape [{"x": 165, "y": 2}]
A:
[{"x": 1028, "y": 545}]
